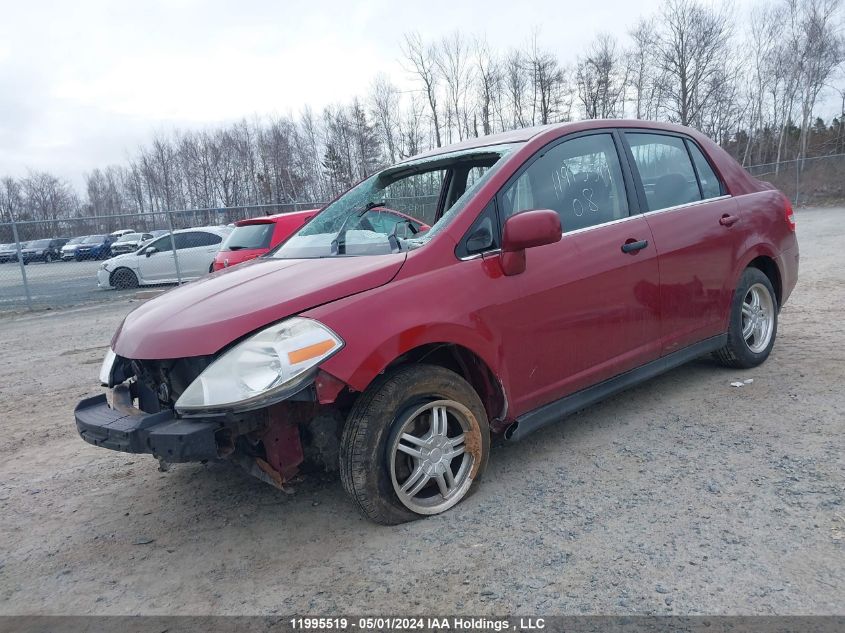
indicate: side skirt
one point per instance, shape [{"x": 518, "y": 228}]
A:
[{"x": 555, "y": 411}]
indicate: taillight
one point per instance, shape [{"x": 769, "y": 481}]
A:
[{"x": 788, "y": 214}]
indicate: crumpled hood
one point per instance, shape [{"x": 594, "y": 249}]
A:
[{"x": 204, "y": 316}]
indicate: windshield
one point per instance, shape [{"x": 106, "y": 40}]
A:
[
  {"x": 94, "y": 239},
  {"x": 39, "y": 244},
  {"x": 76, "y": 240},
  {"x": 130, "y": 237},
  {"x": 249, "y": 236},
  {"x": 398, "y": 209}
]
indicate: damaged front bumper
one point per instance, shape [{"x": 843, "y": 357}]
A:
[{"x": 159, "y": 434}]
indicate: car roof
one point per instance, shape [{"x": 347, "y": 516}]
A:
[
  {"x": 219, "y": 230},
  {"x": 525, "y": 134},
  {"x": 266, "y": 219}
]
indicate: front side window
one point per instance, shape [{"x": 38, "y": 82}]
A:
[
  {"x": 162, "y": 245},
  {"x": 581, "y": 179},
  {"x": 385, "y": 213},
  {"x": 665, "y": 169}
]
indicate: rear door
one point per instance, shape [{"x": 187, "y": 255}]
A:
[
  {"x": 697, "y": 230},
  {"x": 589, "y": 302},
  {"x": 196, "y": 250}
]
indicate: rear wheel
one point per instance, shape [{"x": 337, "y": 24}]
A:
[
  {"x": 48, "y": 258},
  {"x": 123, "y": 279},
  {"x": 415, "y": 444},
  {"x": 753, "y": 322}
]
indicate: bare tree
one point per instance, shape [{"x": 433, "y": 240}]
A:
[
  {"x": 692, "y": 44},
  {"x": 422, "y": 60},
  {"x": 546, "y": 83},
  {"x": 384, "y": 104},
  {"x": 489, "y": 85},
  {"x": 642, "y": 74},
  {"x": 452, "y": 62},
  {"x": 824, "y": 50},
  {"x": 601, "y": 78}
]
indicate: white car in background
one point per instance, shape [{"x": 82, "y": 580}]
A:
[
  {"x": 129, "y": 243},
  {"x": 155, "y": 263}
]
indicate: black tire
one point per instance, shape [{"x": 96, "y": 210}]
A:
[
  {"x": 364, "y": 461},
  {"x": 48, "y": 258},
  {"x": 123, "y": 279},
  {"x": 737, "y": 353}
]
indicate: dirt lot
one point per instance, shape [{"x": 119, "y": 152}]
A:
[{"x": 685, "y": 495}]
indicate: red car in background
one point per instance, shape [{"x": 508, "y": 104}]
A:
[{"x": 256, "y": 236}]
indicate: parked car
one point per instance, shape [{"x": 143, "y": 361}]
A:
[
  {"x": 94, "y": 247},
  {"x": 121, "y": 233},
  {"x": 564, "y": 264},
  {"x": 256, "y": 236},
  {"x": 129, "y": 243},
  {"x": 46, "y": 250},
  {"x": 9, "y": 252},
  {"x": 155, "y": 263},
  {"x": 69, "y": 249}
]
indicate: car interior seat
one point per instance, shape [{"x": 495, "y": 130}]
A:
[{"x": 671, "y": 190}]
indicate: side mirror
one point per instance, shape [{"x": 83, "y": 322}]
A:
[
  {"x": 150, "y": 250},
  {"x": 527, "y": 229}
]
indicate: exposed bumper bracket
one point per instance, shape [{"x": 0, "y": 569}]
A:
[{"x": 159, "y": 434}]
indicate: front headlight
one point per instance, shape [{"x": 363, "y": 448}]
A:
[{"x": 267, "y": 367}]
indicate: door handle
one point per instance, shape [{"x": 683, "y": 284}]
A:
[
  {"x": 633, "y": 247},
  {"x": 728, "y": 220}
]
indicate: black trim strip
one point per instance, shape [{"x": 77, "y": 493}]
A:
[{"x": 555, "y": 411}]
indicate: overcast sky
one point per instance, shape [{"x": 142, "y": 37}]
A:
[{"x": 84, "y": 82}]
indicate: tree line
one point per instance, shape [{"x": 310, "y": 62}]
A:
[{"x": 753, "y": 86}]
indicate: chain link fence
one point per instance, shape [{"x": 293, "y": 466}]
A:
[
  {"x": 57, "y": 263},
  {"x": 48, "y": 264},
  {"x": 807, "y": 181}
]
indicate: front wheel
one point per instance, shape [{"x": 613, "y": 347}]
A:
[
  {"x": 123, "y": 279},
  {"x": 416, "y": 443},
  {"x": 753, "y": 322}
]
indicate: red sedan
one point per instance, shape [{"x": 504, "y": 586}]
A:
[
  {"x": 562, "y": 265},
  {"x": 257, "y": 236}
]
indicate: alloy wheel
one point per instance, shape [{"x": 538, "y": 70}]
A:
[
  {"x": 431, "y": 466},
  {"x": 758, "y": 317}
]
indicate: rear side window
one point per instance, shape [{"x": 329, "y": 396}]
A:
[
  {"x": 195, "y": 239},
  {"x": 665, "y": 170},
  {"x": 710, "y": 185},
  {"x": 581, "y": 179},
  {"x": 249, "y": 236}
]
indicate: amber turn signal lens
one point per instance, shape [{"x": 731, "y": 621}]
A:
[{"x": 312, "y": 351}]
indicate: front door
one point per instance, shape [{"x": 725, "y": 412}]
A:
[
  {"x": 158, "y": 266},
  {"x": 195, "y": 250},
  {"x": 589, "y": 303}
]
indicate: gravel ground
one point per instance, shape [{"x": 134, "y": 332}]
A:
[{"x": 684, "y": 495}]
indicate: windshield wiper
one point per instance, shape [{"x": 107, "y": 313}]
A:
[{"x": 342, "y": 232}]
